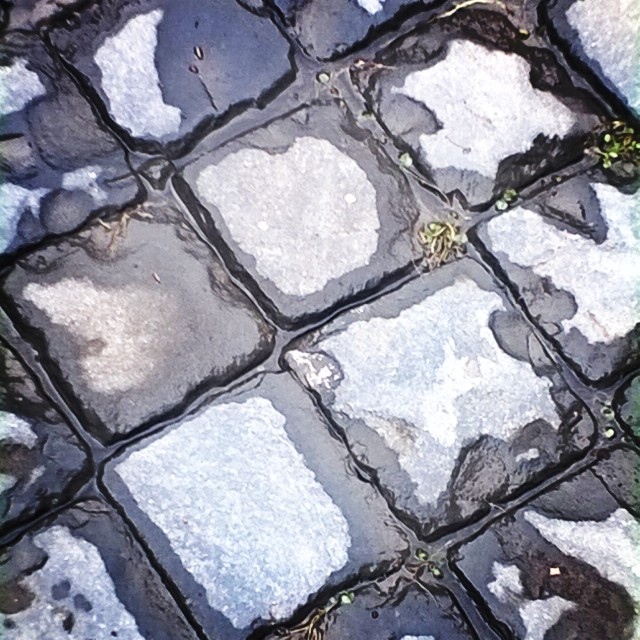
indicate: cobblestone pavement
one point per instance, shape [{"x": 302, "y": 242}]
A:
[{"x": 320, "y": 320}]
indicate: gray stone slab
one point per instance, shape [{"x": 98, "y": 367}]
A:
[
  {"x": 309, "y": 208},
  {"x": 41, "y": 461},
  {"x": 604, "y": 37},
  {"x": 83, "y": 576},
  {"x": 580, "y": 284},
  {"x": 620, "y": 472},
  {"x": 252, "y": 507},
  {"x": 135, "y": 318},
  {"x": 59, "y": 165},
  {"x": 442, "y": 389},
  {"x": 565, "y": 566},
  {"x": 406, "y": 612},
  {"x": 628, "y": 406},
  {"x": 195, "y": 64},
  {"x": 479, "y": 110},
  {"x": 328, "y": 29}
]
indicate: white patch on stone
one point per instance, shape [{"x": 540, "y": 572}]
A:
[
  {"x": 507, "y": 584},
  {"x": 15, "y": 429},
  {"x": 85, "y": 179},
  {"x": 538, "y": 616},
  {"x": 257, "y": 531},
  {"x": 434, "y": 379},
  {"x": 312, "y": 367},
  {"x": 7, "y": 482},
  {"x": 528, "y": 455},
  {"x": 130, "y": 79},
  {"x": 80, "y": 563},
  {"x": 371, "y": 6},
  {"x": 487, "y": 107},
  {"x": 418, "y": 638},
  {"x": 608, "y": 32},
  {"x": 18, "y": 87},
  {"x": 603, "y": 278},
  {"x": 610, "y": 546},
  {"x": 37, "y": 473},
  {"x": 314, "y": 234},
  {"x": 120, "y": 331},
  {"x": 14, "y": 200}
]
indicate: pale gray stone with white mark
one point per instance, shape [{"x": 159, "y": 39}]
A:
[
  {"x": 258, "y": 553},
  {"x": 130, "y": 79},
  {"x": 78, "y": 562},
  {"x": 15, "y": 429},
  {"x": 371, "y": 6},
  {"x": 487, "y": 108},
  {"x": 19, "y": 85},
  {"x": 127, "y": 324},
  {"x": 307, "y": 215},
  {"x": 14, "y": 199},
  {"x": 86, "y": 179},
  {"x": 608, "y": 33}
]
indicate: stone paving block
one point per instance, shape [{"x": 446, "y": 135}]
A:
[
  {"x": 628, "y": 406},
  {"x": 581, "y": 285},
  {"x": 83, "y": 576},
  {"x": 604, "y": 37},
  {"x": 479, "y": 110},
  {"x": 327, "y": 29},
  {"x": 408, "y": 612},
  {"x": 309, "y": 207},
  {"x": 166, "y": 70},
  {"x": 443, "y": 391},
  {"x": 620, "y": 472},
  {"x": 59, "y": 166},
  {"x": 565, "y": 566},
  {"x": 252, "y": 507},
  {"x": 41, "y": 460},
  {"x": 135, "y": 318}
]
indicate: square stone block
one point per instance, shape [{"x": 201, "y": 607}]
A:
[
  {"x": 135, "y": 318},
  {"x": 252, "y": 506},
  {"x": 59, "y": 165},
  {"x": 479, "y": 110},
  {"x": 83, "y": 576},
  {"x": 443, "y": 391},
  {"x": 564, "y": 566},
  {"x": 579, "y": 283},
  {"x": 309, "y": 208},
  {"x": 41, "y": 460},
  {"x": 165, "y": 71}
]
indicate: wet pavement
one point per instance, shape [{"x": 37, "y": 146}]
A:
[{"x": 243, "y": 396}]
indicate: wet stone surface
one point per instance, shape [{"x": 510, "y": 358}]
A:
[
  {"x": 581, "y": 284},
  {"x": 327, "y": 29},
  {"x": 255, "y": 509},
  {"x": 479, "y": 110},
  {"x": 41, "y": 461},
  {"x": 443, "y": 391},
  {"x": 137, "y": 317},
  {"x": 565, "y": 565},
  {"x": 310, "y": 209},
  {"x": 604, "y": 37},
  {"x": 407, "y": 612},
  {"x": 59, "y": 166},
  {"x": 83, "y": 576},
  {"x": 628, "y": 406},
  {"x": 164, "y": 70}
]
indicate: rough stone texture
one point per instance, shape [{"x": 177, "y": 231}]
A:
[
  {"x": 82, "y": 576},
  {"x": 444, "y": 392},
  {"x": 59, "y": 165},
  {"x": 407, "y": 612},
  {"x": 254, "y": 510},
  {"x": 628, "y": 405},
  {"x": 584, "y": 290},
  {"x": 328, "y": 29},
  {"x": 137, "y": 318},
  {"x": 564, "y": 566},
  {"x": 604, "y": 36},
  {"x": 188, "y": 73},
  {"x": 41, "y": 461},
  {"x": 29, "y": 15},
  {"x": 479, "y": 111},
  {"x": 310, "y": 209}
]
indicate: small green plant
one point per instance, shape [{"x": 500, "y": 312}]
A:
[
  {"x": 441, "y": 242},
  {"x": 618, "y": 144},
  {"x": 508, "y": 197}
]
